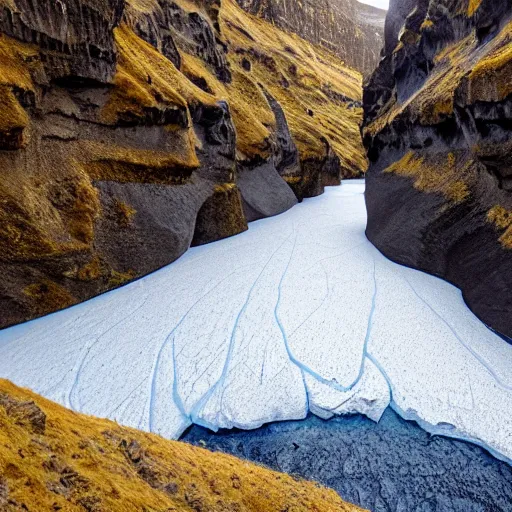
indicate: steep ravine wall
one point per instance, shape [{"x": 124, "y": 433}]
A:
[
  {"x": 438, "y": 126},
  {"x": 131, "y": 129},
  {"x": 354, "y": 31}
]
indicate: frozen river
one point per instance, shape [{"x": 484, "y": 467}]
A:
[{"x": 301, "y": 313}]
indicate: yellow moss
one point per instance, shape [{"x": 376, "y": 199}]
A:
[
  {"x": 147, "y": 79},
  {"x": 120, "y": 278},
  {"x": 428, "y": 23},
  {"x": 473, "y": 6},
  {"x": 292, "y": 180},
  {"x": 47, "y": 297},
  {"x": 457, "y": 191},
  {"x": 84, "y": 211},
  {"x": 435, "y": 112},
  {"x": 20, "y": 236},
  {"x": 224, "y": 188},
  {"x": 432, "y": 103},
  {"x": 502, "y": 219},
  {"x": 506, "y": 238},
  {"x": 252, "y": 116},
  {"x": 125, "y": 212},
  {"x": 491, "y": 78},
  {"x": 125, "y": 165},
  {"x": 17, "y": 59},
  {"x": 441, "y": 173},
  {"x": 309, "y": 71},
  {"x": 92, "y": 271},
  {"x": 13, "y": 119},
  {"x": 98, "y": 465},
  {"x": 143, "y": 6},
  {"x": 500, "y": 216}
]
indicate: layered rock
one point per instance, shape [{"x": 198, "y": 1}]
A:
[
  {"x": 352, "y": 30},
  {"x": 54, "y": 459},
  {"x": 130, "y": 130},
  {"x": 438, "y": 131}
]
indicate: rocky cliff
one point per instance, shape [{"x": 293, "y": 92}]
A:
[
  {"x": 352, "y": 30},
  {"x": 54, "y": 459},
  {"x": 438, "y": 126},
  {"x": 131, "y": 129}
]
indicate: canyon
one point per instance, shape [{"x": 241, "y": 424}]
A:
[
  {"x": 133, "y": 130},
  {"x": 276, "y": 229}
]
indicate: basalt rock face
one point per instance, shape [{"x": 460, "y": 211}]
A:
[
  {"x": 438, "y": 130},
  {"x": 131, "y": 130},
  {"x": 354, "y": 31}
]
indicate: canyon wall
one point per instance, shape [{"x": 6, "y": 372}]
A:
[
  {"x": 438, "y": 130},
  {"x": 131, "y": 130},
  {"x": 352, "y": 30}
]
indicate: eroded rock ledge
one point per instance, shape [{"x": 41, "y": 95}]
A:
[
  {"x": 131, "y": 129},
  {"x": 437, "y": 128}
]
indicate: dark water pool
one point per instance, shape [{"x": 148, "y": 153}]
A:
[{"x": 393, "y": 466}]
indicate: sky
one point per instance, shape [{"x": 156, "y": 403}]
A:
[{"x": 383, "y": 4}]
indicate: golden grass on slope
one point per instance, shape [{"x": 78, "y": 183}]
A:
[
  {"x": 14, "y": 72},
  {"x": 434, "y": 101},
  {"x": 446, "y": 174},
  {"x": 307, "y": 81},
  {"x": 13, "y": 120},
  {"x": 54, "y": 459},
  {"x": 486, "y": 72},
  {"x": 17, "y": 59},
  {"x": 146, "y": 79}
]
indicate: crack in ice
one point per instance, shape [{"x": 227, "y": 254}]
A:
[{"x": 214, "y": 344}]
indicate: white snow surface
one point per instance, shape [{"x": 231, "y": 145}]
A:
[{"x": 301, "y": 313}]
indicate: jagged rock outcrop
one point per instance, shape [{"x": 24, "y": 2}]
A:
[
  {"x": 438, "y": 129},
  {"x": 54, "y": 459},
  {"x": 352, "y": 30},
  {"x": 131, "y": 129}
]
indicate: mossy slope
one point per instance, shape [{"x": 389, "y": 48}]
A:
[{"x": 54, "y": 459}]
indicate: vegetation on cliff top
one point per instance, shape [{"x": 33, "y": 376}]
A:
[
  {"x": 313, "y": 87},
  {"x": 480, "y": 73},
  {"x": 54, "y": 459}
]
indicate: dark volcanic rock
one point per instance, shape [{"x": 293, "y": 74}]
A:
[
  {"x": 70, "y": 47},
  {"x": 285, "y": 161},
  {"x": 392, "y": 466},
  {"x": 438, "y": 130},
  {"x": 352, "y": 30}
]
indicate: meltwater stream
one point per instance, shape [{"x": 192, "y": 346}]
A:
[{"x": 299, "y": 315}]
